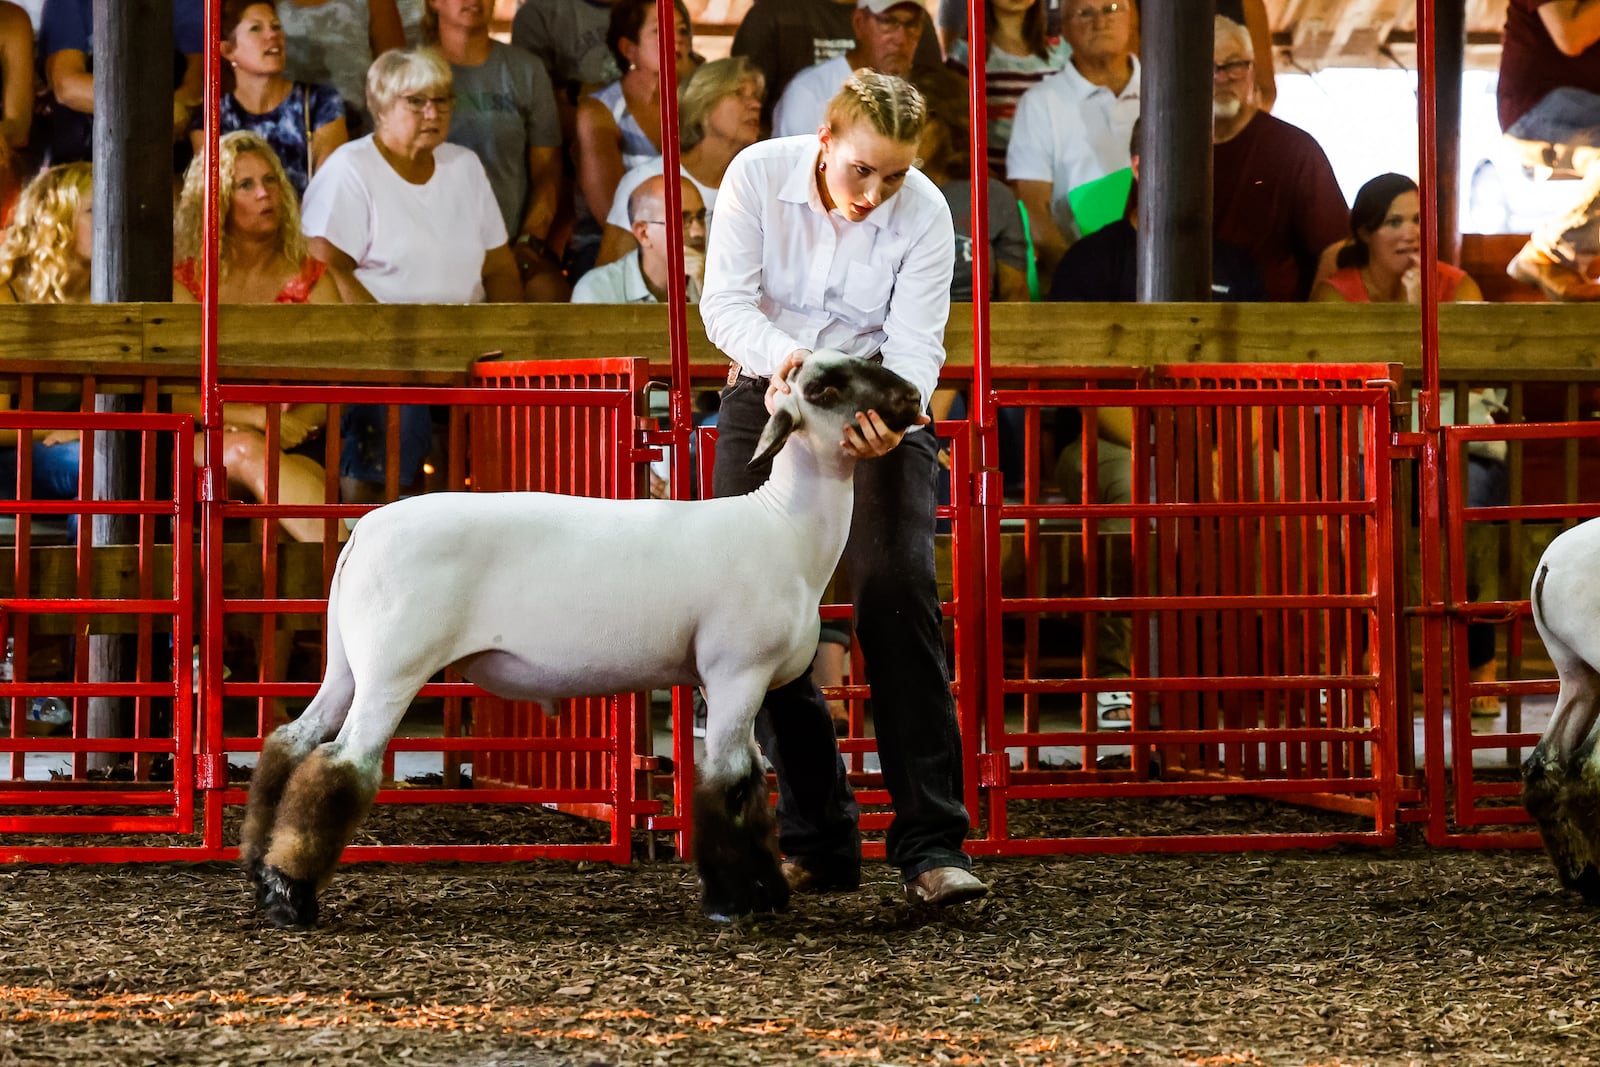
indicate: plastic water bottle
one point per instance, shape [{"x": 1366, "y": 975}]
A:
[
  {"x": 49, "y": 711},
  {"x": 7, "y": 670}
]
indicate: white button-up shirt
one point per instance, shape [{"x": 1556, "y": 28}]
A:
[
  {"x": 784, "y": 273},
  {"x": 1069, "y": 131}
]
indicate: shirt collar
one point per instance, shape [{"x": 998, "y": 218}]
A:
[
  {"x": 633, "y": 287},
  {"x": 1082, "y": 88}
]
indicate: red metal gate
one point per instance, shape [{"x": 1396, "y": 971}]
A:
[
  {"x": 1252, "y": 565},
  {"x": 128, "y": 781}
]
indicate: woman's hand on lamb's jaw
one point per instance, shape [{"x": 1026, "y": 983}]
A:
[
  {"x": 870, "y": 437},
  {"x": 780, "y": 377}
]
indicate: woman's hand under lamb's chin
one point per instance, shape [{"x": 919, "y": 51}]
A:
[{"x": 870, "y": 437}]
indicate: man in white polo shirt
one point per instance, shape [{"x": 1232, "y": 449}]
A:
[
  {"x": 640, "y": 277},
  {"x": 887, "y": 33},
  {"x": 1073, "y": 127}
]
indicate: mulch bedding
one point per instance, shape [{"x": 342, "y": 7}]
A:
[{"x": 1407, "y": 955}]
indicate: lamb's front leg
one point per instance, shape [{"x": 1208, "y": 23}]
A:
[{"x": 736, "y": 838}]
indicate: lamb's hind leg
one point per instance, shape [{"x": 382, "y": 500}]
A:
[
  {"x": 1561, "y": 784},
  {"x": 326, "y": 797},
  {"x": 736, "y": 839},
  {"x": 281, "y": 753}
]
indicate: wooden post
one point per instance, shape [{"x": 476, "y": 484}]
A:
[
  {"x": 133, "y": 50},
  {"x": 1175, "y": 151},
  {"x": 1450, "y": 56}
]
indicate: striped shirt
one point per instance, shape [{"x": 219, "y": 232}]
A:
[{"x": 1006, "y": 77}]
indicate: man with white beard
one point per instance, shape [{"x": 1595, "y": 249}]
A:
[{"x": 1273, "y": 192}]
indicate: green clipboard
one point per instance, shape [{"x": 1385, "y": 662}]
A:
[{"x": 1100, "y": 202}]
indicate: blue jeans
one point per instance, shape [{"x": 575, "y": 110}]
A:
[
  {"x": 55, "y": 475},
  {"x": 364, "y": 428},
  {"x": 1571, "y": 117},
  {"x": 894, "y": 587}
]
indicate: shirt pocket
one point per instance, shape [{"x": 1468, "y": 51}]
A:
[{"x": 866, "y": 293}]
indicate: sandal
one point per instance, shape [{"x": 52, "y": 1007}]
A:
[{"x": 1113, "y": 711}]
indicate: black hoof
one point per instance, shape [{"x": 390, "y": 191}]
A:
[
  {"x": 287, "y": 903},
  {"x": 1587, "y": 883},
  {"x": 736, "y": 846},
  {"x": 252, "y": 872}
]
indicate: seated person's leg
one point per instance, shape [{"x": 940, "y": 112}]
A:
[{"x": 364, "y": 429}]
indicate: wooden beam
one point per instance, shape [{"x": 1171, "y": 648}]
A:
[{"x": 435, "y": 343}]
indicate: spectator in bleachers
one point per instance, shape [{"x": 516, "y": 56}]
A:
[
  {"x": 719, "y": 115},
  {"x": 16, "y": 77},
  {"x": 1073, "y": 127},
  {"x": 65, "y": 34},
  {"x": 1549, "y": 98},
  {"x": 262, "y": 259},
  {"x": 402, "y": 217},
  {"x": 1252, "y": 15},
  {"x": 886, "y": 36},
  {"x": 303, "y": 123},
  {"x": 640, "y": 277},
  {"x": 1382, "y": 262},
  {"x": 1020, "y": 56},
  {"x": 505, "y": 111},
  {"x": 569, "y": 36},
  {"x": 263, "y": 254},
  {"x": 785, "y": 38},
  {"x": 1273, "y": 191},
  {"x": 333, "y": 42},
  {"x": 44, "y": 259},
  {"x": 618, "y": 127}
]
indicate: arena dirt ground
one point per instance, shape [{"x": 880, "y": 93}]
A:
[{"x": 1405, "y": 956}]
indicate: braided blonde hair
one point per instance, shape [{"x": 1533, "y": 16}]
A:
[
  {"x": 188, "y": 228},
  {"x": 39, "y": 248},
  {"x": 890, "y": 105}
]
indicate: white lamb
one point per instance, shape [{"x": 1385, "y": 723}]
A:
[{"x": 539, "y": 597}]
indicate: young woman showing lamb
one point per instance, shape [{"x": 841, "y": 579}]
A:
[
  {"x": 535, "y": 597},
  {"x": 834, "y": 239}
]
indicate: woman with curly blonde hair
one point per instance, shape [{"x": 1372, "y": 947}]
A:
[
  {"x": 262, "y": 259},
  {"x": 262, "y": 256},
  {"x": 44, "y": 258}
]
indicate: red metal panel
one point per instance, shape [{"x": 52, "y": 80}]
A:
[
  {"x": 1480, "y": 809},
  {"x": 1259, "y": 659},
  {"x": 159, "y": 798}
]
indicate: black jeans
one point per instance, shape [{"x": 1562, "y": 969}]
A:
[{"x": 894, "y": 587}]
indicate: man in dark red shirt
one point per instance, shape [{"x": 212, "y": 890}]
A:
[
  {"x": 1549, "y": 95},
  {"x": 1274, "y": 194}
]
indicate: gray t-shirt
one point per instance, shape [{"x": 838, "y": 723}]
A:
[
  {"x": 505, "y": 106},
  {"x": 331, "y": 45},
  {"x": 570, "y": 36},
  {"x": 1008, "y": 243}
]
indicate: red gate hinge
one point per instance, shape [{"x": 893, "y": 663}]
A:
[
  {"x": 211, "y": 770},
  {"x": 994, "y": 770},
  {"x": 988, "y": 487},
  {"x": 646, "y": 763}
]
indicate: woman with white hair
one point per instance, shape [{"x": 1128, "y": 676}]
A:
[
  {"x": 719, "y": 116},
  {"x": 402, "y": 217}
]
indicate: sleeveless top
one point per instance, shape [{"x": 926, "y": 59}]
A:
[
  {"x": 1347, "y": 281},
  {"x": 637, "y": 147},
  {"x": 296, "y": 290}
]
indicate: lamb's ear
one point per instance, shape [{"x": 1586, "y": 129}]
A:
[{"x": 776, "y": 432}]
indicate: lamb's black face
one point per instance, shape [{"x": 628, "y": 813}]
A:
[{"x": 861, "y": 385}]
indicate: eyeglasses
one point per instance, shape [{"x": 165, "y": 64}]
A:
[
  {"x": 1107, "y": 11},
  {"x": 1230, "y": 71},
  {"x": 690, "y": 220},
  {"x": 890, "y": 23},
  {"x": 419, "y": 104}
]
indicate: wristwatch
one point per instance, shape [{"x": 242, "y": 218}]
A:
[{"x": 533, "y": 244}]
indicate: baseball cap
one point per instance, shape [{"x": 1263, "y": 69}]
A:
[{"x": 878, "y": 7}]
